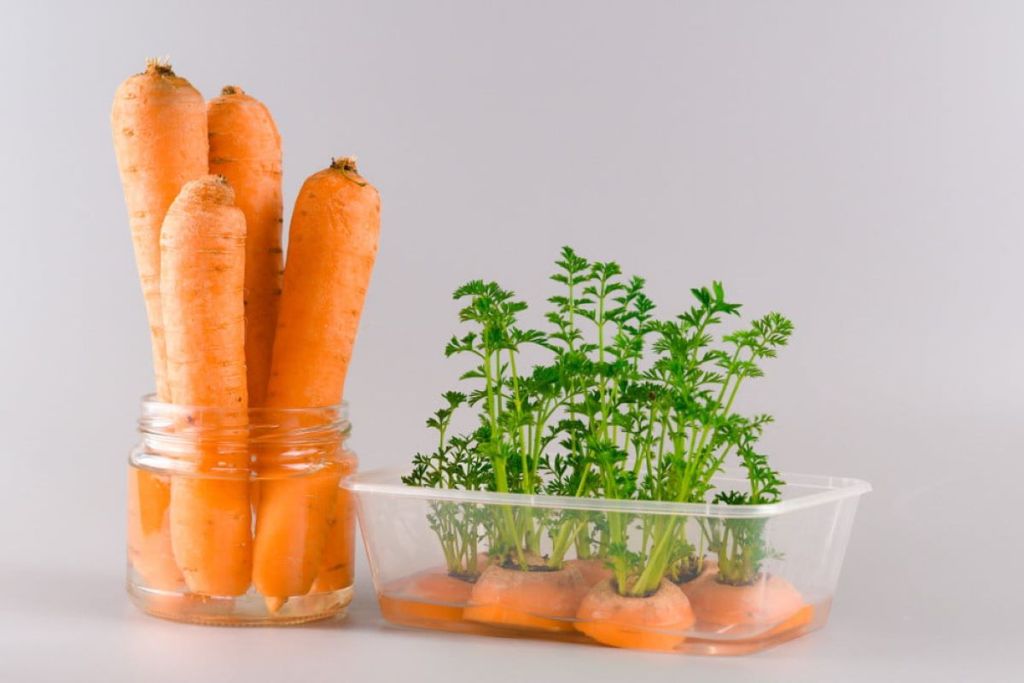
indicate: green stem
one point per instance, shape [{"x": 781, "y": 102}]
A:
[
  {"x": 523, "y": 455},
  {"x": 600, "y": 357}
]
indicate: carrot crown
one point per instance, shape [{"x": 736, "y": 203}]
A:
[
  {"x": 347, "y": 166},
  {"x": 159, "y": 65}
]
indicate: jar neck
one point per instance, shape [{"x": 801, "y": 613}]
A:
[{"x": 233, "y": 443}]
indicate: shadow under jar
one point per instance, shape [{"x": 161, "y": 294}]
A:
[{"x": 237, "y": 518}]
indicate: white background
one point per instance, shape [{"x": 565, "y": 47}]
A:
[{"x": 857, "y": 165}]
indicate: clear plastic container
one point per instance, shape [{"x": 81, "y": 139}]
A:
[
  {"x": 429, "y": 554},
  {"x": 237, "y": 517}
]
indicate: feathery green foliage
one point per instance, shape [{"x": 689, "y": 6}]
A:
[{"x": 626, "y": 406}]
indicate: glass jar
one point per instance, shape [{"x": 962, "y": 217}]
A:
[{"x": 237, "y": 517}]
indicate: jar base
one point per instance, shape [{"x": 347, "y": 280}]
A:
[{"x": 245, "y": 610}]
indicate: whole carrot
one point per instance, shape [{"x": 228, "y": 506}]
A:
[
  {"x": 202, "y": 249},
  {"x": 158, "y": 122},
  {"x": 245, "y": 148},
  {"x": 332, "y": 247}
]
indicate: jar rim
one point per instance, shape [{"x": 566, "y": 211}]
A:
[
  {"x": 151, "y": 399},
  {"x": 151, "y": 402},
  {"x": 161, "y": 419},
  {"x": 225, "y": 442}
]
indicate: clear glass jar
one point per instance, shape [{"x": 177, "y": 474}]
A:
[{"x": 238, "y": 518}]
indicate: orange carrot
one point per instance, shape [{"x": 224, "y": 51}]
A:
[
  {"x": 594, "y": 570},
  {"x": 798, "y": 620},
  {"x": 429, "y": 597},
  {"x": 543, "y": 599},
  {"x": 332, "y": 246},
  {"x": 245, "y": 148},
  {"x": 768, "y": 602},
  {"x": 709, "y": 570},
  {"x": 291, "y": 531},
  {"x": 202, "y": 252},
  {"x": 149, "y": 537},
  {"x": 336, "y": 563},
  {"x": 653, "y": 622},
  {"x": 158, "y": 122},
  {"x": 160, "y": 139}
]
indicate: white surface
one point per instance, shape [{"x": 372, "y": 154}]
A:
[
  {"x": 856, "y": 164},
  {"x": 72, "y": 626}
]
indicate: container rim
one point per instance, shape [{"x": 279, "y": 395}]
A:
[{"x": 387, "y": 482}]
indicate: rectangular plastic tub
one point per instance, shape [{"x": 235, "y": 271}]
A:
[{"x": 428, "y": 551}]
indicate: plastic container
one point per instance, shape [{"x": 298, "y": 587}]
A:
[
  {"x": 237, "y": 517},
  {"x": 423, "y": 582}
]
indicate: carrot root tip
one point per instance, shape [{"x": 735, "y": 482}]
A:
[{"x": 274, "y": 604}]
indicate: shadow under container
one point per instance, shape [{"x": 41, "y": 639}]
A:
[
  {"x": 237, "y": 517},
  {"x": 431, "y": 552}
]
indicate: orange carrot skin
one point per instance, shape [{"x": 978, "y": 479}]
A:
[
  {"x": 332, "y": 247},
  {"x": 158, "y": 121},
  {"x": 292, "y": 520},
  {"x": 149, "y": 539},
  {"x": 203, "y": 259},
  {"x": 429, "y": 597},
  {"x": 654, "y": 622},
  {"x": 594, "y": 570},
  {"x": 337, "y": 567},
  {"x": 160, "y": 140},
  {"x": 333, "y": 241},
  {"x": 245, "y": 148},
  {"x": 545, "y": 600},
  {"x": 769, "y": 601}
]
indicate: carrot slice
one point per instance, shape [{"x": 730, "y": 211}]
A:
[
  {"x": 801, "y": 618},
  {"x": 432, "y": 596},
  {"x": 653, "y": 622},
  {"x": 541, "y": 599},
  {"x": 594, "y": 570},
  {"x": 202, "y": 252},
  {"x": 768, "y": 602},
  {"x": 707, "y": 573}
]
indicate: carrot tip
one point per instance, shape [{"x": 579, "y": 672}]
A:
[{"x": 274, "y": 603}]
